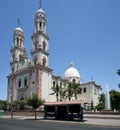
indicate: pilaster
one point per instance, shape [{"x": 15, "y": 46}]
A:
[
  {"x": 39, "y": 83},
  {"x": 14, "y": 89},
  {"x": 30, "y": 84}
]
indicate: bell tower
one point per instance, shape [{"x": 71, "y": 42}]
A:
[
  {"x": 40, "y": 45},
  {"x": 17, "y": 49}
]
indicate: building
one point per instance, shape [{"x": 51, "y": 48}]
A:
[{"x": 35, "y": 76}]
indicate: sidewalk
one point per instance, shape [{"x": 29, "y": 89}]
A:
[{"x": 91, "y": 119}]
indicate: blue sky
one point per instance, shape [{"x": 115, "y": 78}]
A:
[{"x": 85, "y": 32}]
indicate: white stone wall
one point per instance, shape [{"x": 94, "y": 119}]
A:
[
  {"x": 23, "y": 65},
  {"x": 96, "y": 95},
  {"x": 86, "y": 96},
  {"x": 92, "y": 93},
  {"x": 46, "y": 85},
  {"x": 22, "y": 77},
  {"x": 23, "y": 90}
]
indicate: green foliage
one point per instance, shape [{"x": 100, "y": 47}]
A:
[
  {"x": 101, "y": 104},
  {"x": 115, "y": 99},
  {"x": 3, "y": 104},
  {"x": 69, "y": 91},
  {"x": 72, "y": 89},
  {"x": 20, "y": 103},
  {"x": 118, "y": 72},
  {"x": 56, "y": 91},
  {"x": 34, "y": 101}
]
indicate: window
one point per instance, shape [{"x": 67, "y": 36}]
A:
[
  {"x": 44, "y": 45},
  {"x": 19, "y": 83},
  {"x": 53, "y": 83},
  {"x": 20, "y": 57},
  {"x": 17, "y": 41},
  {"x": 84, "y": 90},
  {"x": 44, "y": 61},
  {"x": 25, "y": 82},
  {"x": 12, "y": 70},
  {"x": 35, "y": 46},
  {"x": 33, "y": 82},
  {"x": 80, "y": 90},
  {"x": 20, "y": 42},
  {"x": 40, "y": 25},
  {"x": 60, "y": 84},
  {"x": 13, "y": 57},
  {"x": 35, "y": 60},
  {"x": 22, "y": 98},
  {"x": 73, "y": 80}
]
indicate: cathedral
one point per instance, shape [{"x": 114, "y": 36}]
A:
[{"x": 35, "y": 76}]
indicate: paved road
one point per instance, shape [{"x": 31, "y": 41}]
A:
[
  {"x": 91, "y": 119},
  {"x": 13, "y": 124}
]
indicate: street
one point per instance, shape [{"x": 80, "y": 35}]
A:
[{"x": 13, "y": 124}]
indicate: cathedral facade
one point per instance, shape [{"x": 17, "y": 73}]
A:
[{"x": 35, "y": 76}]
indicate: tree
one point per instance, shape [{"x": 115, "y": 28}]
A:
[
  {"x": 115, "y": 99},
  {"x": 68, "y": 91},
  {"x": 35, "y": 102},
  {"x": 118, "y": 72},
  {"x": 56, "y": 90},
  {"x": 72, "y": 89},
  {"x": 76, "y": 89},
  {"x": 12, "y": 104},
  {"x": 21, "y": 103},
  {"x": 101, "y": 104},
  {"x": 3, "y": 104}
]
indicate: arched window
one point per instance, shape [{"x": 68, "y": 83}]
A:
[
  {"x": 17, "y": 41},
  {"x": 61, "y": 85},
  {"x": 80, "y": 90},
  {"x": 35, "y": 60},
  {"x": 13, "y": 70},
  {"x": 53, "y": 83},
  {"x": 44, "y": 61},
  {"x": 20, "y": 57},
  {"x": 35, "y": 45},
  {"x": 19, "y": 83},
  {"x": 73, "y": 80},
  {"x": 22, "y": 98},
  {"x": 40, "y": 25},
  {"x": 84, "y": 90},
  {"x": 44, "y": 45},
  {"x": 20, "y": 42},
  {"x": 25, "y": 82},
  {"x": 13, "y": 57}
]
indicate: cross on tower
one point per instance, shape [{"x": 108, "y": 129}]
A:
[
  {"x": 18, "y": 22},
  {"x": 40, "y": 3}
]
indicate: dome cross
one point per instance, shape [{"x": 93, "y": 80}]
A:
[
  {"x": 40, "y": 3},
  {"x": 18, "y": 22}
]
